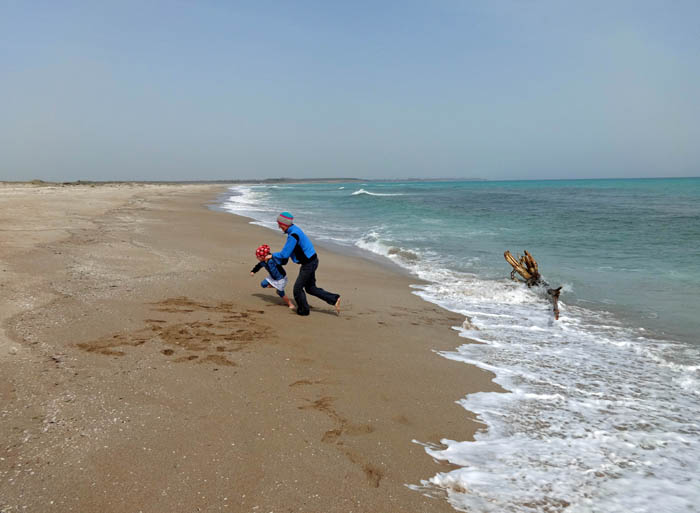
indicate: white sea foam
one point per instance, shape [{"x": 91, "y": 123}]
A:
[
  {"x": 618, "y": 430},
  {"x": 373, "y": 243},
  {"x": 245, "y": 200},
  {"x": 362, "y": 191}
]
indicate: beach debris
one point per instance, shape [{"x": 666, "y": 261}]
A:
[
  {"x": 526, "y": 266},
  {"x": 468, "y": 324},
  {"x": 554, "y": 294}
]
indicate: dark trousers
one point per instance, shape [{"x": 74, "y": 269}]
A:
[{"x": 307, "y": 281}]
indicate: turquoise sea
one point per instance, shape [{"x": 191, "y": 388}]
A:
[{"x": 603, "y": 405}]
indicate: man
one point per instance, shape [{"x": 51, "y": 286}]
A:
[{"x": 299, "y": 248}]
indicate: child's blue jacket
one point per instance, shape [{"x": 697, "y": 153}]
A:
[{"x": 273, "y": 266}]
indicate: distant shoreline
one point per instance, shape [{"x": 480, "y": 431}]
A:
[
  {"x": 264, "y": 181},
  {"x": 284, "y": 180}
]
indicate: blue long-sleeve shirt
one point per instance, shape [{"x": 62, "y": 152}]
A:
[
  {"x": 273, "y": 266},
  {"x": 298, "y": 247}
]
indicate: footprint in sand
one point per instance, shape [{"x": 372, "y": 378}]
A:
[{"x": 338, "y": 435}]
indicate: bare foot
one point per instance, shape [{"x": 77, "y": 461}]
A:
[
  {"x": 292, "y": 307},
  {"x": 337, "y": 306}
]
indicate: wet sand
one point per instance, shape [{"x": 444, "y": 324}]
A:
[{"x": 142, "y": 368}]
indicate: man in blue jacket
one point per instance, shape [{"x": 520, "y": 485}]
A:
[{"x": 300, "y": 249}]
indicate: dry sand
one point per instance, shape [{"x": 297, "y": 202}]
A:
[{"x": 143, "y": 369}]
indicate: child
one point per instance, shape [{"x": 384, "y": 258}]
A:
[{"x": 277, "y": 278}]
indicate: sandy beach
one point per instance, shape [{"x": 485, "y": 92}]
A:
[{"x": 142, "y": 368}]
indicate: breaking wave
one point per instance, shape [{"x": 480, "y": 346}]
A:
[{"x": 362, "y": 191}]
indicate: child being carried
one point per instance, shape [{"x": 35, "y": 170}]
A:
[{"x": 277, "y": 278}]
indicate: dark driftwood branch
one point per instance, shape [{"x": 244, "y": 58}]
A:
[
  {"x": 526, "y": 266},
  {"x": 554, "y": 293}
]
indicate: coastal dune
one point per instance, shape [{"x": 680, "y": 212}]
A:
[{"x": 143, "y": 369}]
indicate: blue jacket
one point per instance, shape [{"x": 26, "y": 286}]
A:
[
  {"x": 273, "y": 266},
  {"x": 298, "y": 247}
]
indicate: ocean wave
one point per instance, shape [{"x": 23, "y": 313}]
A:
[
  {"x": 405, "y": 254},
  {"x": 246, "y": 199},
  {"x": 362, "y": 191},
  {"x": 373, "y": 243}
]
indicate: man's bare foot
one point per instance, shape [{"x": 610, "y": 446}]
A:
[
  {"x": 292, "y": 307},
  {"x": 337, "y": 306}
]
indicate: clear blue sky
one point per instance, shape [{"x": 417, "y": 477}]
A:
[{"x": 496, "y": 89}]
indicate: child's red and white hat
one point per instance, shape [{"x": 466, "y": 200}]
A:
[{"x": 262, "y": 251}]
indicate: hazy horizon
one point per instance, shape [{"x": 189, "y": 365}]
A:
[
  {"x": 481, "y": 90},
  {"x": 322, "y": 179}
]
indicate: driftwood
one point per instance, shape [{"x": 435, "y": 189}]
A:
[
  {"x": 527, "y": 268},
  {"x": 554, "y": 293}
]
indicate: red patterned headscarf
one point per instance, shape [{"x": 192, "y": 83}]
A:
[{"x": 262, "y": 251}]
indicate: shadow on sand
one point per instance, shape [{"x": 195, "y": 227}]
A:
[{"x": 273, "y": 299}]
